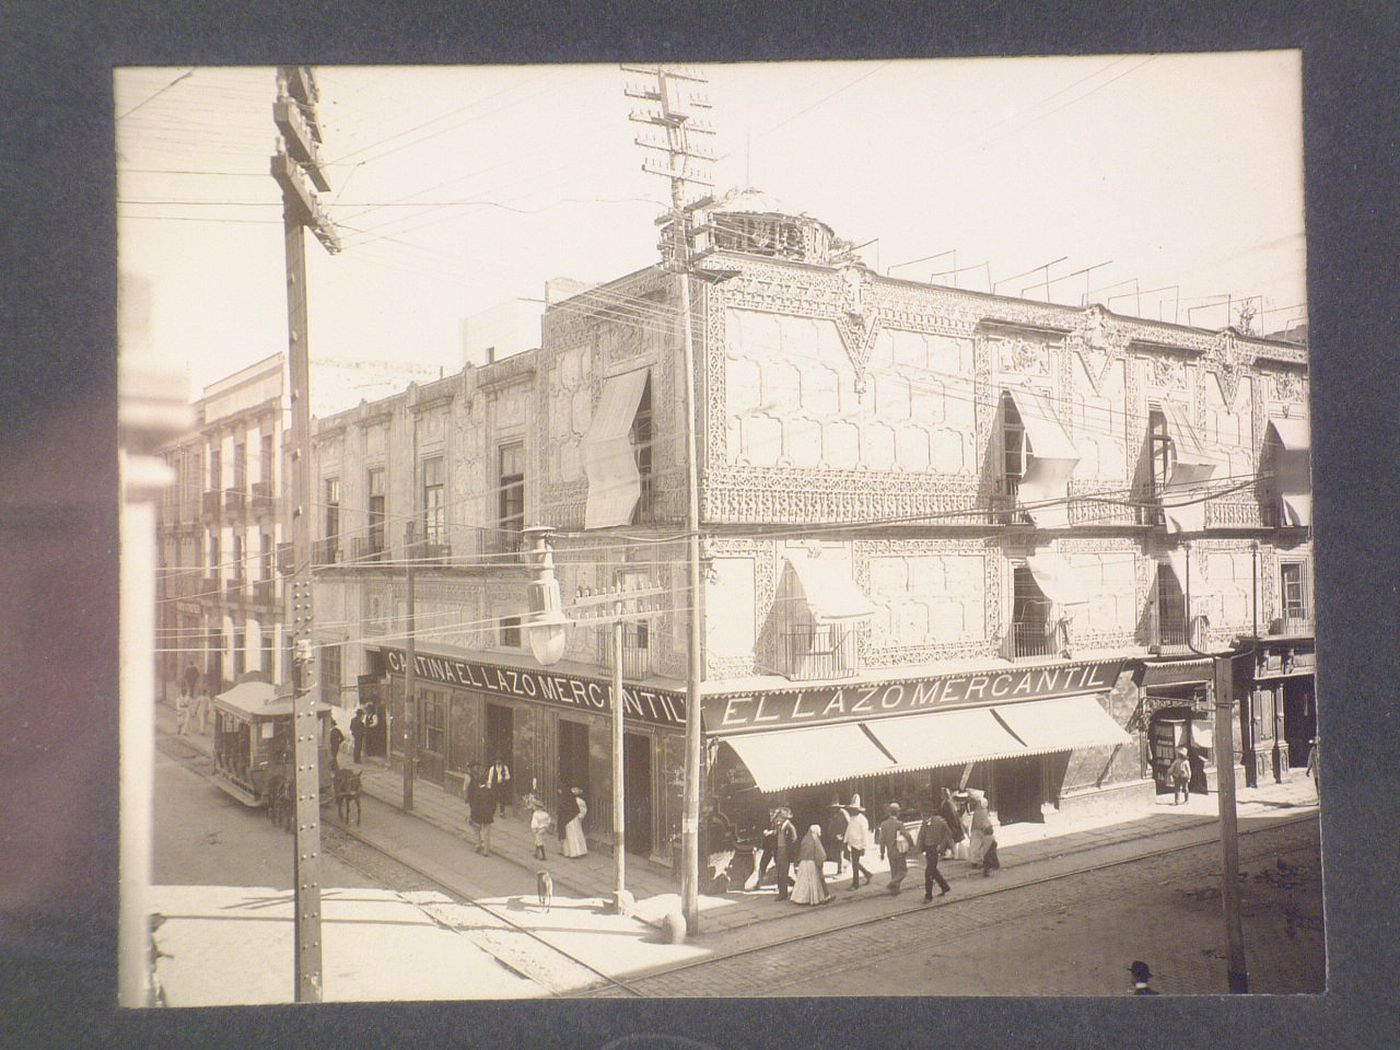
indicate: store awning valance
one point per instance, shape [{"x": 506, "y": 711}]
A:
[
  {"x": 1057, "y": 579},
  {"x": 945, "y": 738},
  {"x": 1191, "y": 467},
  {"x": 1051, "y": 459},
  {"x": 790, "y": 758},
  {"x": 1062, "y": 725},
  {"x": 609, "y": 458},
  {"x": 830, "y": 592},
  {"x": 259, "y": 698}
]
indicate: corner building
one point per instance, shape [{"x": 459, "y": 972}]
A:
[{"x": 948, "y": 539}]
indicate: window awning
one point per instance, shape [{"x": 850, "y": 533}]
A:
[
  {"x": 945, "y": 738},
  {"x": 1292, "y": 434},
  {"x": 1191, "y": 466},
  {"x": 609, "y": 459},
  {"x": 1057, "y": 578},
  {"x": 1203, "y": 733},
  {"x": 1062, "y": 725},
  {"x": 1051, "y": 459},
  {"x": 1176, "y": 561},
  {"x": 790, "y": 758},
  {"x": 830, "y": 592},
  {"x": 1296, "y": 508}
]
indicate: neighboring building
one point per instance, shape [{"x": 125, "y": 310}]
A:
[
  {"x": 501, "y": 331},
  {"x": 949, "y": 538},
  {"x": 219, "y": 593}
]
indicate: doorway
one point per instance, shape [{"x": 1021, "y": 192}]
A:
[
  {"x": 573, "y": 758},
  {"x": 1019, "y": 790},
  {"x": 431, "y": 759},
  {"x": 1299, "y": 719},
  {"x": 636, "y": 772},
  {"x": 500, "y": 734}
]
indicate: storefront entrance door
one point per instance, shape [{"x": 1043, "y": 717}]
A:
[
  {"x": 573, "y": 760},
  {"x": 1299, "y": 719},
  {"x": 432, "y": 736},
  {"x": 500, "y": 735},
  {"x": 637, "y": 792},
  {"x": 1019, "y": 790}
]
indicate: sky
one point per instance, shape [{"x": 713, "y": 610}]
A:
[{"x": 458, "y": 188}]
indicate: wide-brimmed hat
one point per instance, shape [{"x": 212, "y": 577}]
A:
[
  {"x": 855, "y": 804},
  {"x": 577, "y": 791},
  {"x": 1140, "y": 971},
  {"x": 1182, "y": 751},
  {"x": 893, "y": 807}
]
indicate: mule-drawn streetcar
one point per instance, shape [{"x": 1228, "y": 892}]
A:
[{"x": 253, "y": 744}]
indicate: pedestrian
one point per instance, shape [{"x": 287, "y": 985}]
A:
[
  {"x": 575, "y": 843},
  {"x": 767, "y": 852},
  {"x": 1314, "y": 769},
  {"x": 1141, "y": 976},
  {"x": 1179, "y": 772},
  {"x": 981, "y": 824},
  {"x": 539, "y": 826},
  {"x": 857, "y": 840},
  {"x": 498, "y": 780},
  {"x": 810, "y": 887},
  {"x": 203, "y": 704},
  {"x": 934, "y": 837},
  {"x": 481, "y": 808},
  {"x": 786, "y": 849},
  {"x": 337, "y": 738},
  {"x": 990, "y": 861},
  {"x": 374, "y": 737},
  {"x": 189, "y": 679},
  {"x": 948, "y": 810},
  {"x": 836, "y": 834},
  {"x": 895, "y": 842},
  {"x": 182, "y": 714},
  {"x": 962, "y": 803},
  {"x": 357, "y": 734}
]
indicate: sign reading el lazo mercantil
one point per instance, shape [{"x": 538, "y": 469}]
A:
[
  {"x": 855, "y": 702},
  {"x": 659, "y": 706}
]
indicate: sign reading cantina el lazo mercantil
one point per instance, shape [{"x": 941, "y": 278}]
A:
[
  {"x": 658, "y": 706},
  {"x": 772, "y": 710}
]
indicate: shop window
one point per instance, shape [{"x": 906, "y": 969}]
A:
[
  {"x": 1293, "y": 578},
  {"x": 510, "y": 487},
  {"x": 510, "y": 632},
  {"x": 434, "y": 735}
]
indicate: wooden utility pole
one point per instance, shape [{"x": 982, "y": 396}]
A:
[
  {"x": 297, "y": 159},
  {"x": 1224, "y": 689},
  {"x": 410, "y": 684},
  {"x": 672, "y": 94}
]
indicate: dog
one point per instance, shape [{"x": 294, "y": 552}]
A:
[{"x": 544, "y": 888}]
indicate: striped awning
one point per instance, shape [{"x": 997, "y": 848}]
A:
[
  {"x": 1062, "y": 725},
  {"x": 790, "y": 758}
]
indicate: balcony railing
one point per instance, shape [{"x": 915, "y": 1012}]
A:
[
  {"x": 208, "y": 588},
  {"x": 211, "y": 505},
  {"x": 425, "y": 553},
  {"x": 1006, "y": 509},
  {"x": 286, "y": 559},
  {"x": 368, "y": 548},
  {"x": 263, "y": 504},
  {"x": 819, "y": 651},
  {"x": 1176, "y": 633},
  {"x": 326, "y": 552},
  {"x": 263, "y": 592},
  {"x": 235, "y": 501},
  {"x": 234, "y": 589},
  {"x": 1034, "y": 638},
  {"x": 636, "y": 658}
]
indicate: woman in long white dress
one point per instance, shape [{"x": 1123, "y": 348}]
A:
[
  {"x": 575, "y": 845},
  {"x": 810, "y": 887}
]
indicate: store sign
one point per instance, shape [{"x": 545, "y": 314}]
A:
[
  {"x": 657, "y": 706},
  {"x": 789, "y": 709}
]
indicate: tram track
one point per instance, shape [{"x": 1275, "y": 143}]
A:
[
  {"x": 956, "y": 918},
  {"x": 349, "y": 847}
]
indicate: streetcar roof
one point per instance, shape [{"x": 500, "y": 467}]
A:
[{"x": 260, "y": 700}]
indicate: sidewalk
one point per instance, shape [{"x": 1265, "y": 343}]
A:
[{"x": 438, "y": 836}]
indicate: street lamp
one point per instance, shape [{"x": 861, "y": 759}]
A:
[{"x": 547, "y": 625}]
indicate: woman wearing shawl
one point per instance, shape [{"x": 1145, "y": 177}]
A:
[
  {"x": 810, "y": 887},
  {"x": 981, "y": 824}
]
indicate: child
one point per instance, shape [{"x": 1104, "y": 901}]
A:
[
  {"x": 990, "y": 861},
  {"x": 1180, "y": 773},
  {"x": 539, "y": 825}
]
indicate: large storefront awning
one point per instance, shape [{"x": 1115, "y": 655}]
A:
[
  {"x": 945, "y": 738},
  {"x": 830, "y": 592},
  {"x": 609, "y": 458},
  {"x": 1051, "y": 459},
  {"x": 1062, "y": 725},
  {"x": 790, "y": 758},
  {"x": 1191, "y": 466}
]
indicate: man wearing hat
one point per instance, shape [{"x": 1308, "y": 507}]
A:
[
  {"x": 895, "y": 841},
  {"x": 857, "y": 840},
  {"x": 786, "y": 848},
  {"x": 1180, "y": 773},
  {"x": 1141, "y": 975},
  {"x": 836, "y": 834}
]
